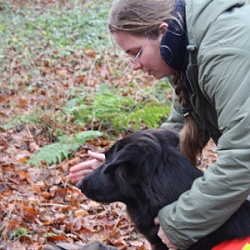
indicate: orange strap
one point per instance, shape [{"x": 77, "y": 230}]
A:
[{"x": 237, "y": 244}]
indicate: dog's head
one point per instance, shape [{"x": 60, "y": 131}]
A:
[{"x": 140, "y": 166}]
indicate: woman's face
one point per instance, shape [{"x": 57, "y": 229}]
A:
[{"x": 144, "y": 54}]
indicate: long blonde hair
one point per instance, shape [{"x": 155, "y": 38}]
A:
[{"x": 142, "y": 18}]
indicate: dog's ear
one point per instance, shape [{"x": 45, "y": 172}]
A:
[
  {"x": 134, "y": 157},
  {"x": 123, "y": 157}
]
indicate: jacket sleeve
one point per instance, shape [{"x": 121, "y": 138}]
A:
[
  {"x": 224, "y": 78},
  {"x": 175, "y": 120}
]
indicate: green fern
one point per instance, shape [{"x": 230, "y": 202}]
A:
[
  {"x": 103, "y": 106},
  {"x": 60, "y": 150},
  {"x": 118, "y": 112},
  {"x": 150, "y": 115}
]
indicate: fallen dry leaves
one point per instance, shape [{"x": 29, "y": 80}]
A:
[{"x": 40, "y": 205}]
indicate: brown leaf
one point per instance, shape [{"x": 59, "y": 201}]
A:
[
  {"x": 25, "y": 239},
  {"x": 34, "y": 147},
  {"x": 80, "y": 212},
  {"x": 30, "y": 210},
  {"x": 23, "y": 160},
  {"x": 56, "y": 238}
]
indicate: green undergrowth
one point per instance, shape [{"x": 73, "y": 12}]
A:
[
  {"x": 59, "y": 72},
  {"x": 103, "y": 111},
  {"x": 62, "y": 149}
]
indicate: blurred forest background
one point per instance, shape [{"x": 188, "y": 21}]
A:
[{"x": 66, "y": 88}]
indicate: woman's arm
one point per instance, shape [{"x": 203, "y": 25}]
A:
[{"x": 225, "y": 79}]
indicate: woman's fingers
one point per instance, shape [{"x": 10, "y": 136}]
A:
[
  {"x": 163, "y": 237},
  {"x": 97, "y": 156},
  {"x": 82, "y": 169}
]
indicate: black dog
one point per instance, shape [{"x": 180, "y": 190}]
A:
[{"x": 146, "y": 172}]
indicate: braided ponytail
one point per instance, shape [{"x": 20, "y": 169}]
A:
[{"x": 190, "y": 138}]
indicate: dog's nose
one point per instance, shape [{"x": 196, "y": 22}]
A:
[{"x": 80, "y": 184}]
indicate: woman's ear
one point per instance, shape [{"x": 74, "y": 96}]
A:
[{"x": 163, "y": 27}]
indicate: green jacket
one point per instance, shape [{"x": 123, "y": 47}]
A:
[{"x": 219, "y": 74}]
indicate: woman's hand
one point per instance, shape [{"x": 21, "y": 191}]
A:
[
  {"x": 163, "y": 237},
  {"x": 80, "y": 170}
]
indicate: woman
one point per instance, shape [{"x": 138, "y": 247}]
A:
[{"x": 204, "y": 47}]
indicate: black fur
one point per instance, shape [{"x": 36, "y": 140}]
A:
[{"x": 146, "y": 172}]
